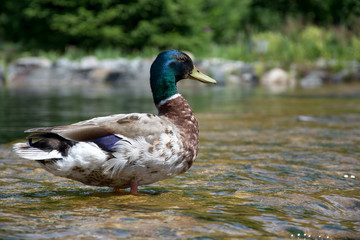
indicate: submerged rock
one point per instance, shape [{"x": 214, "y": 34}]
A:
[{"x": 304, "y": 118}]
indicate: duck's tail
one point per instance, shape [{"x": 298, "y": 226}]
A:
[
  {"x": 27, "y": 151},
  {"x": 49, "y": 146}
]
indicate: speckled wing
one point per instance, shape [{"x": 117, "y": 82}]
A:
[{"x": 133, "y": 125}]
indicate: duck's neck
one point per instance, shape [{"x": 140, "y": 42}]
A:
[{"x": 163, "y": 84}]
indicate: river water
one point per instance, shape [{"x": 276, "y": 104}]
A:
[{"x": 270, "y": 166}]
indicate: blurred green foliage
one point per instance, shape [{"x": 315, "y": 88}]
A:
[
  {"x": 239, "y": 29},
  {"x": 131, "y": 25}
]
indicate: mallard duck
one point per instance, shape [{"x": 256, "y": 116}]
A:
[{"x": 126, "y": 150}]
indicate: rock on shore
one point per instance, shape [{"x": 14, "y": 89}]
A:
[{"x": 121, "y": 71}]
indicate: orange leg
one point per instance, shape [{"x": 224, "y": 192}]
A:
[{"x": 133, "y": 187}]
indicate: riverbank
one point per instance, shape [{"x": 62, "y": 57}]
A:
[{"x": 90, "y": 70}]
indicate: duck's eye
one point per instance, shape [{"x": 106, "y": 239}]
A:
[
  {"x": 181, "y": 59},
  {"x": 172, "y": 64}
]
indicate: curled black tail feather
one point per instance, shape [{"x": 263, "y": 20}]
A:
[{"x": 50, "y": 141}]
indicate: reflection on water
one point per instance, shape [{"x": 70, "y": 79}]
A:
[{"x": 262, "y": 171}]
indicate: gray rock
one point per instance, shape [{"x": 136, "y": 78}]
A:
[
  {"x": 304, "y": 118},
  {"x": 248, "y": 75},
  {"x": 340, "y": 76},
  {"x": 322, "y": 63},
  {"x": 90, "y": 70},
  {"x": 20, "y": 70},
  {"x": 228, "y": 72},
  {"x": 312, "y": 80},
  {"x": 100, "y": 74},
  {"x": 114, "y": 64},
  {"x": 33, "y": 62},
  {"x": 89, "y": 62},
  {"x": 66, "y": 63},
  {"x": 139, "y": 69},
  {"x": 218, "y": 74},
  {"x": 274, "y": 77},
  {"x": 277, "y": 80},
  {"x": 213, "y": 67},
  {"x": 119, "y": 77}
]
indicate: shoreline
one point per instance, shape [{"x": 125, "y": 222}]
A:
[{"x": 90, "y": 71}]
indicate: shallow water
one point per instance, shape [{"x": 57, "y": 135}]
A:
[{"x": 283, "y": 166}]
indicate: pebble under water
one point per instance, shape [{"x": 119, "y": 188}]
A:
[{"x": 270, "y": 166}]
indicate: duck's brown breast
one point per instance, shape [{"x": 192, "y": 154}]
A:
[{"x": 179, "y": 112}]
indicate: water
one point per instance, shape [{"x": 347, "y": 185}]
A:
[{"x": 270, "y": 166}]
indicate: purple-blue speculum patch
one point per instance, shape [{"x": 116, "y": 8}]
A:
[{"x": 107, "y": 142}]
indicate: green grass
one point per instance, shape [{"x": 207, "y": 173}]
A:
[{"x": 309, "y": 44}]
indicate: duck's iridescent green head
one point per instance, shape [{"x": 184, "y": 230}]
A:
[{"x": 170, "y": 67}]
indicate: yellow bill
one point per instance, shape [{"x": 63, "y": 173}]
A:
[{"x": 197, "y": 75}]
